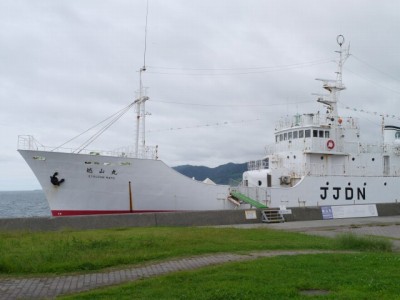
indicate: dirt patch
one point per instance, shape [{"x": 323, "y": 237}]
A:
[{"x": 315, "y": 292}]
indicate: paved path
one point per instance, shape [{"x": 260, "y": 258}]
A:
[
  {"x": 377, "y": 226},
  {"x": 51, "y": 287}
]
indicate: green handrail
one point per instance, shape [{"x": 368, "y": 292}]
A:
[{"x": 248, "y": 200}]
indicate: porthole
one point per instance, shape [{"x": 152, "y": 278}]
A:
[
  {"x": 384, "y": 184},
  {"x": 259, "y": 183},
  {"x": 327, "y": 183},
  {"x": 353, "y": 159},
  {"x": 349, "y": 183},
  {"x": 373, "y": 159}
]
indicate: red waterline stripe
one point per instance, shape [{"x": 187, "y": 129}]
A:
[{"x": 62, "y": 213}]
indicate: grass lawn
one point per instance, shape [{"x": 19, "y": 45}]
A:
[
  {"x": 372, "y": 274},
  {"x": 338, "y": 276},
  {"x": 25, "y": 253}
]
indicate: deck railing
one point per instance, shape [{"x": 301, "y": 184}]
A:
[{"x": 28, "y": 142}]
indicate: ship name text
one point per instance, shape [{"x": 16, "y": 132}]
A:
[
  {"x": 336, "y": 193},
  {"x": 101, "y": 174}
]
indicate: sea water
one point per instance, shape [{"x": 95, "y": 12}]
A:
[{"x": 20, "y": 204}]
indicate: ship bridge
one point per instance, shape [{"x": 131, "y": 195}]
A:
[{"x": 315, "y": 133}]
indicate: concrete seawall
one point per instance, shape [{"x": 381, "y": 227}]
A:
[{"x": 190, "y": 218}]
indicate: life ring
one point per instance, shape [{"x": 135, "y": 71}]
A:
[{"x": 330, "y": 144}]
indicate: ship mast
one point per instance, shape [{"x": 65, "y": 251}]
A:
[
  {"x": 140, "y": 103},
  {"x": 334, "y": 87},
  {"x": 140, "y": 118}
]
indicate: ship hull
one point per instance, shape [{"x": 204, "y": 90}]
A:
[
  {"x": 329, "y": 191},
  {"x": 95, "y": 184}
]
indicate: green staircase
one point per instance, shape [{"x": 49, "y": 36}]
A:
[{"x": 248, "y": 200}]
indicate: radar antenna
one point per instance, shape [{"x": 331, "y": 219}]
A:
[{"x": 334, "y": 87}]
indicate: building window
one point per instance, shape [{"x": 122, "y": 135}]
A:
[{"x": 315, "y": 133}]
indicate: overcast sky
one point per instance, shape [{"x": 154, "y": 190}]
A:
[{"x": 67, "y": 65}]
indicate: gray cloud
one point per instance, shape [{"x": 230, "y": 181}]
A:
[{"x": 66, "y": 65}]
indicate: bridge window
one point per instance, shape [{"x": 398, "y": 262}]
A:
[
  {"x": 315, "y": 133},
  {"x": 285, "y": 136},
  {"x": 266, "y": 163},
  {"x": 397, "y": 135},
  {"x": 307, "y": 133},
  {"x": 281, "y": 137},
  {"x": 290, "y": 135},
  {"x": 321, "y": 133},
  {"x": 327, "y": 134},
  {"x": 301, "y": 134},
  {"x": 295, "y": 134}
]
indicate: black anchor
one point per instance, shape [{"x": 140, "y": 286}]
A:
[{"x": 54, "y": 179}]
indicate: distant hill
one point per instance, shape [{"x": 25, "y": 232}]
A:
[{"x": 220, "y": 175}]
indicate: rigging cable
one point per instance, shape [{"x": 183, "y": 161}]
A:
[
  {"x": 229, "y": 105},
  {"x": 371, "y": 112},
  {"x": 375, "y": 68},
  {"x": 237, "y": 71},
  {"x": 223, "y": 123},
  {"x": 105, "y": 120},
  {"x": 373, "y": 82},
  {"x": 117, "y": 116}
]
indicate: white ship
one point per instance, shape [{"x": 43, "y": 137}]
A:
[
  {"x": 316, "y": 160},
  {"x": 79, "y": 183}
]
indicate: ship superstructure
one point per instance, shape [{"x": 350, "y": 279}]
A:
[{"x": 319, "y": 159}]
